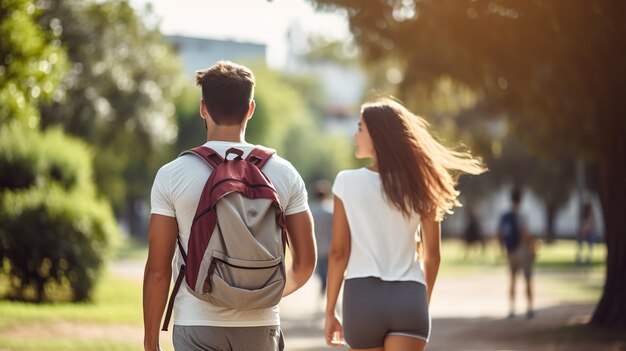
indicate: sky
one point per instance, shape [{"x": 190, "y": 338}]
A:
[{"x": 256, "y": 21}]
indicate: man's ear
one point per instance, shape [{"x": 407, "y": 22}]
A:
[
  {"x": 251, "y": 109},
  {"x": 203, "y": 112}
]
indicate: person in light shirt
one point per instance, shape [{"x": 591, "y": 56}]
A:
[
  {"x": 226, "y": 107},
  {"x": 379, "y": 214}
]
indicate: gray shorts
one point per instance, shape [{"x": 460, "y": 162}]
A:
[
  {"x": 521, "y": 259},
  {"x": 373, "y": 309},
  {"x": 205, "y": 338}
]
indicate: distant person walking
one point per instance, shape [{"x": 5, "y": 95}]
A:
[
  {"x": 323, "y": 220},
  {"x": 586, "y": 234},
  {"x": 473, "y": 233},
  {"x": 519, "y": 246},
  {"x": 378, "y": 213}
]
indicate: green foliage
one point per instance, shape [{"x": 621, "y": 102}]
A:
[
  {"x": 191, "y": 129},
  {"x": 55, "y": 234},
  {"x": 279, "y": 108},
  {"x": 548, "y": 65},
  {"x": 118, "y": 94},
  {"x": 31, "y": 62},
  {"x": 317, "y": 155},
  {"x": 28, "y": 159}
]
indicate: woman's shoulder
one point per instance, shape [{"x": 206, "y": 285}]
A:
[
  {"x": 352, "y": 174},
  {"x": 347, "y": 179}
]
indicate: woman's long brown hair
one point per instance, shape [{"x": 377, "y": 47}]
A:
[{"x": 418, "y": 174}]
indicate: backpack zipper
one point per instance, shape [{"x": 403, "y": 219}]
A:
[
  {"x": 241, "y": 181},
  {"x": 241, "y": 267}
]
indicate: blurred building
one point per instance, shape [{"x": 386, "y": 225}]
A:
[
  {"x": 343, "y": 83},
  {"x": 200, "y": 53}
]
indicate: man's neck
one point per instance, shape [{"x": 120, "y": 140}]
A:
[{"x": 226, "y": 133}]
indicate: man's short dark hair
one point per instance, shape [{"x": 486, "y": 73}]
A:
[
  {"x": 227, "y": 90},
  {"x": 516, "y": 196}
]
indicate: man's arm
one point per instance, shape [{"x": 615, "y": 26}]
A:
[
  {"x": 302, "y": 249},
  {"x": 162, "y": 232}
]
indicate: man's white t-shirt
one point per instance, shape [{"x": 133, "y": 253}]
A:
[
  {"x": 382, "y": 240},
  {"x": 176, "y": 193}
]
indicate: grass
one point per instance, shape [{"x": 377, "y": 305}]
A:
[
  {"x": 60, "y": 326},
  {"x": 66, "y": 344},
  {"x": 115, "y": 300},
  {"x": 559, "y": 256}
]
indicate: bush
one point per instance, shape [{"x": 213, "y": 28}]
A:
[
  {"x": 31, "y": 159},
  {"x": 54, "y": 233}
]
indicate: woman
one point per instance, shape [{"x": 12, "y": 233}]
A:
[{"x": 378, "y": 214}]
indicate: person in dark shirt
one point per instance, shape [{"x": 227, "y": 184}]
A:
[{"x": 514, "y": 236}]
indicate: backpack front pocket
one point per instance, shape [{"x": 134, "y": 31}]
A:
[{"x": 244, "y": 284}]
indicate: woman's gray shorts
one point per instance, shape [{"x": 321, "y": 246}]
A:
[{"x": 373, "y": 309}]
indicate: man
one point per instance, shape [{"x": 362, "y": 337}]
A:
[
  {"x": 227, "y": 105},
  {"x": 514, "y": 236}
]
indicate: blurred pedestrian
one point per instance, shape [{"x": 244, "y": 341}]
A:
[
  {"x": 520, "y": 249},
  {"x": 323, "y": 219},
  {"x": 473, "y": 234},
  {"x": 378, "y": 212},
  {"x": 586, "y": 234}
]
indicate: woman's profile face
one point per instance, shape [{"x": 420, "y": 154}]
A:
[{"x": 364, "y": 147}]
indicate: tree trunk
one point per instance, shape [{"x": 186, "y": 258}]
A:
[
  {"x": 550, "y": 216},
  {"x": 611, "y": 310}
]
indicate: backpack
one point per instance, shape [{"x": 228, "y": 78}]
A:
[
  {"x": 509, "y": 228},
  {"x": 236, "y": 249}
]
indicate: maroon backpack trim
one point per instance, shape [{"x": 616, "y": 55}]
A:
[
  {"x": 209, "y": 155},
  {"x": 260, "y": 155}
]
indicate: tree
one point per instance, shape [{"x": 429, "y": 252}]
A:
[
  {"x": 118, "y": 95},
  {"x": 32, "y": 62},
  {"x": 54, "y": 231},
  {"x": 554, "y": 69}
]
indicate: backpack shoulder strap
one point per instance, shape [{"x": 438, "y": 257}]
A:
[
  {"x": 209, "y": 155},
  {"x": 260, "y": 155}
]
